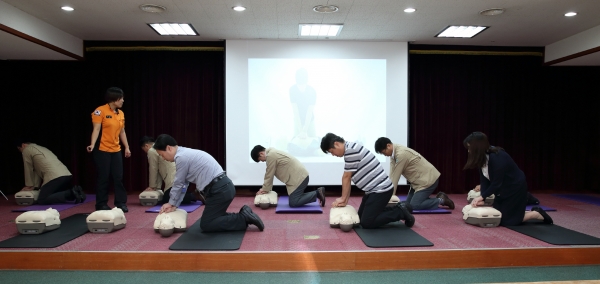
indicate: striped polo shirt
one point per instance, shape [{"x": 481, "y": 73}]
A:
[{"x": 367, "y": 172}]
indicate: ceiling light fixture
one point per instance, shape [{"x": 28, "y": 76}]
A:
[
  {"x": 410, "y": 10},
  {"x": 67, "y": 8},
  {"x": 492, "y": 12},
  {"x": 461, "y": 31},
  {"x": 239, "y": 8},
  {"x": 166, "y": 29},
  {"x": 570, "y": 14},
  {"x": 151, "y": 8},
  {"x": 326, "y": 8},
  {"x": 319, "y": 29}
]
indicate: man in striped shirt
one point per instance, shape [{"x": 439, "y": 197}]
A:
[{"x": 362, "y": 168}]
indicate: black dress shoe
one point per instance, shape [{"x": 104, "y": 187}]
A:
[
  {"x": 103, "y": 207},
  {"x": 251, "y": 217},
  {"x": 124, "y": 208},
  {"x": 446, "y": 201},
  {"x": 321, "y": 195},
  {"x": 81, "y": 194},
  {"x": 409, "y": 219},
  {"x": 75, "y": 192},
  {"x": 408, "y": 206},
  {"x": 531, "y": 200},
  {"x": 547, "y": 218}
]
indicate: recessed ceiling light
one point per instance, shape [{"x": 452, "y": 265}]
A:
[
  {"x": 166, "y": 29},
  {"x": 326, "y": 8},
  {"x": 492, "y": 12},
  {"x": 67, "y": 8},
  {"x": 239, "y": 8},
  {"x": 319, "y": 30},
  {"x": 570, "y": 14},
  {"x": 409, "y": 10},
  {"x": 151, "y": 8},
  {"x": 461, "y": 31}
]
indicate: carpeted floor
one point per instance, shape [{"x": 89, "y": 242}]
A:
[{"x": 311, "y": 232}]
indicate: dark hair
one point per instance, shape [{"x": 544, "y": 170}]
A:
[
  {"x": 20, "y": 141},
  {"x": 146, "y": 140},
  {"x": 328, "y": 140},
  {"x": 164, "y": 140},
  {"x": 255, "y": 151},
  {"x": 381, "y": 144},
  {"x": 478, "y": 146},
  {"x": 113, "y": 94}
]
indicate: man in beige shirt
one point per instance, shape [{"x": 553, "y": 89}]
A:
[
  {"x": 43, "y": 170},
  {"x": 288, "y": 170},
  {"x": 159, "y": 171},
  {"x": 421, "y": 174}
]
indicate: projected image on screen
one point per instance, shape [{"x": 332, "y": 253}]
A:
[{"x": 292, "y": 103}]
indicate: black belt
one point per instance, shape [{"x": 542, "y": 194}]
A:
[{"x": 215, "y": 180}]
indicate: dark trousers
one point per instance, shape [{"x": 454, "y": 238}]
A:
[
  {"x": 215, "y": 217},
  {"x": 420, "y": 200},
  {"x": 187, "y": 199},
  {"x": 56, "y": 191},
  {"x": 109, "y": 164},
  {"x": 299, "y": 197},
  {"x": 374, "y": 212}
]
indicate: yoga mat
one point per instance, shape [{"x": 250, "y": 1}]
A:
[
  {"x": 546, "y": 208},
  {"x": 432, "y": 211},
  {"x": 554, "y": 234},
  {"x": 70, "y": 228},
  {"x": 581, "y": 198},
  {"x": 394, "y": 234},
  {"x": 195, "y": 239},
  {"x": 283, "y": 206},
  {"x": 58, "y": 207},
  {"x": 187, "y": 207}
]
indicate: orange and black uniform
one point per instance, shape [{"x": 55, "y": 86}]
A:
[{"x": 107, "y": 155}]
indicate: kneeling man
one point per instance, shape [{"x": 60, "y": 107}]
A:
[
  {"x": 362, "y": 168},
  {"x": 202, "y": 169},
  {"x": 421, "y": 174},
  {"x": 289, "y": 171},
  {"x": 159, "y": 171},
  {"x": 42, "y": 166}
]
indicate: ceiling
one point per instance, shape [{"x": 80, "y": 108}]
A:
[{"x": 524, "y": 23}]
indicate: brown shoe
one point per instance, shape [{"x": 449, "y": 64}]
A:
[{"x": 446, "y": 201}]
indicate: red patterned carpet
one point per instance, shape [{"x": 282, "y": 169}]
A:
[{"x": 311, "y": 232}]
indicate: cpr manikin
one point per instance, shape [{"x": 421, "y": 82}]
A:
[
  {"x": 26, "y": 197},
  {"x": 266, "y": 200},
  {"x": 474, "y": 194},
  {"x": 344, "y": 218},
  {"x": 106, "y": 221},
  {"x": 481, "y": 216},
  {"x": 151, "y": 197},
  {"x": 37, "y": 222},
  {"x": 168, "y": 223}
]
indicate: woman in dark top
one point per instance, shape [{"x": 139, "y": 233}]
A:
[{"x": 499, "y": 175}]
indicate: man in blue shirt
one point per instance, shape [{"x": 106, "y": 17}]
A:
[
  {"x": 201, "y": 168},
  {"x": 362, "y": 168}
]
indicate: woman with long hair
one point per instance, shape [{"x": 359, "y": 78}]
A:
[{"x": 500, "y": 175}]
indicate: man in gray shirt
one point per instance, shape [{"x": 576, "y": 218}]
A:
[{"x": 201, "y": 168}]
